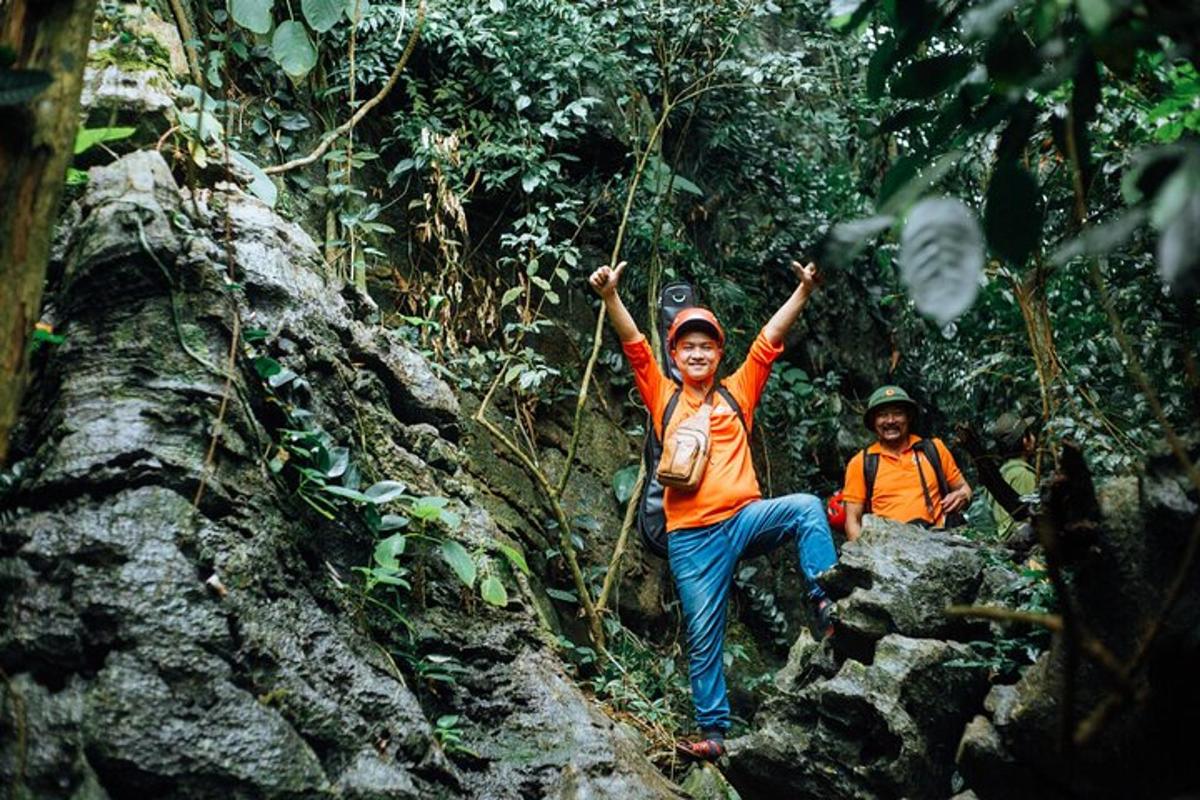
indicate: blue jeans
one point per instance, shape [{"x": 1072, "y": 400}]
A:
[{"x": 703, "y": 560}]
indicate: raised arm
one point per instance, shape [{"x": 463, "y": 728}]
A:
[
  {"x": 779, "y": 324},
  {"x": 604, "y": 281}
]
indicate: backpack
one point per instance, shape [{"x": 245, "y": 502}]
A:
[
  {"x": 651, "y": 517},
  {"x": 928, "y": 449}
]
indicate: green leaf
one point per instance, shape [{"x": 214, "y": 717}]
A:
[
  {"x": 1179, "y": 250},
  {"x": 349, "y": 494},
  {"x": 255, "y": 334},
  {"x": 879, "y": 66},
  {"x": 931, "y": 76},
  {"x": 385, "y": 491},
  {"x": 511, "y": 295},
  {"x": 339, "y": 459},
  {"x": 293, "y": 50},
  {"x": 87, "y": 138},
  {"x": 266, "y": 367},
  {"x": 429, "y": 508},
  {"x": 389, "y": 550},
  {"x": 1101, "y": 239},
  {"x": 1013, "y": 216},
  {"x": 19, "y": 86},
  {"x": 564, "y": 596},
  {"x": 261, "y": 185},
  {"x": 492, "y": 591},
  {"x": 323, "y": 14},
  {"x": 391, "y": 522},
  {"x": 941, "y": 258},
  {"x": 514, "y": 556},
  {"x": 362, "y": 7},
  {"x": 253, "y": 15},
  {"x": 623, "y": 482},
  {"x": 460, "y": 561},
  {"x": 680, "y": 183}
]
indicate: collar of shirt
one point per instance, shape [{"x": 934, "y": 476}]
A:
[{"x": 908, "y": 446}]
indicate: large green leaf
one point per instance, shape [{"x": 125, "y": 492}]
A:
[
  {"x": 1012, "y": 219},
  {"x": 879, "y": 66},
  {"x": 261, "y": 185},
  {"x": 385, "y": 491},
  {"x": 87, "y": 138},
  {"x": 389, "y": 550},
  {"x": 492, "y": 590},
  {"x": 514, "y": 556},
  {"x": 253, "y": 15},
  {"x": 941, "y": 258},
  {"x": 323, "y": 14},
  {"x": 293, "y": 50},
  {"x": 460, "y": 561}
]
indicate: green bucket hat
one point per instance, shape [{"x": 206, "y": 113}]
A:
[{"x": 882, "y": 397}]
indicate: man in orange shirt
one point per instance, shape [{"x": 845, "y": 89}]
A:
[
  {"x": 711, "y": 527},
  {"x": 906, "y": 485}
]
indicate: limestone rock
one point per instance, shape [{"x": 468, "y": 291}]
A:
[
  {"x": 885, "y": 729},
  {"x": 161, "y": 647},
  {"x": 899, "y": 579}
]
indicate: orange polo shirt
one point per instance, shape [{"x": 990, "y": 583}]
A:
[
  {"x": 897, "y": 494},
  {"x": 729, "y": 483}
]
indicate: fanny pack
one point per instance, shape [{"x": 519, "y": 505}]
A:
[{"x": 685, "y": 451}]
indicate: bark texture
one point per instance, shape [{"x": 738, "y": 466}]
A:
[{"x": 35, "y": 147}]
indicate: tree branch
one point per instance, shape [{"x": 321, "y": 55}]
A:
[{"x": 363, "y": 110}]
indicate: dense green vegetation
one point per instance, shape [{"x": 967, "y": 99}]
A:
[{"x": 526, "y": 141}]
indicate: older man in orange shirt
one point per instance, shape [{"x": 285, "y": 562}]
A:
[
  {"x": 897, "y": 476},
  {"x": 725, "y": 517}
]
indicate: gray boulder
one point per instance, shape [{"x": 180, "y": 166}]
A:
[
  {"x": 899, "y": 578},
  {"x": 885, "y": 729}
]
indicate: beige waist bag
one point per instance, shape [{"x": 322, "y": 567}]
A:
[{"x": 685, "y": 452}]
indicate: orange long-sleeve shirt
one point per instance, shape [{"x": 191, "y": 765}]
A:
[{"x": 729, "y": 482}]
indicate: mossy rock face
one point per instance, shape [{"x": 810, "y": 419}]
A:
[{"x": 168, "y": 646}]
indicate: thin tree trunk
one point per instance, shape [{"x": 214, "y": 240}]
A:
[{"x": 35, "y": 148}]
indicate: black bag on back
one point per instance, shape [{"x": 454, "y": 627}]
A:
[{"x": 651, "y": 518}]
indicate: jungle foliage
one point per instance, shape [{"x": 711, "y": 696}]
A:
[
  {"x": 1004, "y": 195},
  {"x": 991, "y": 159}
]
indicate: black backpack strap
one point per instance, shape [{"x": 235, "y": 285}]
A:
[
  {"x": 928, "y": 448},
  {"x": 669, "y": 410},
  {"x": 921, "y": 477},
  {"x": 870, "y": 470},
  {"x": 728, "y": 396}
]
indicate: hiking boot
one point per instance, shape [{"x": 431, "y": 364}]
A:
[
  {"x": 825, "y": 613},
  {"x": 703, "y": 750}
]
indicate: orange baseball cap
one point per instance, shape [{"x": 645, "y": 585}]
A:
[{"x": 695, "y": 317}]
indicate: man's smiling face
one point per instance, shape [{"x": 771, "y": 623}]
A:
[
  {"x": 891, "y": 423},
  {"x": 697, "y": 354}
]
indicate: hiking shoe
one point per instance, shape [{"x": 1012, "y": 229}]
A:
[
  {"x": 826, "y": 618},
  {"x": 703, "y": 750}
]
